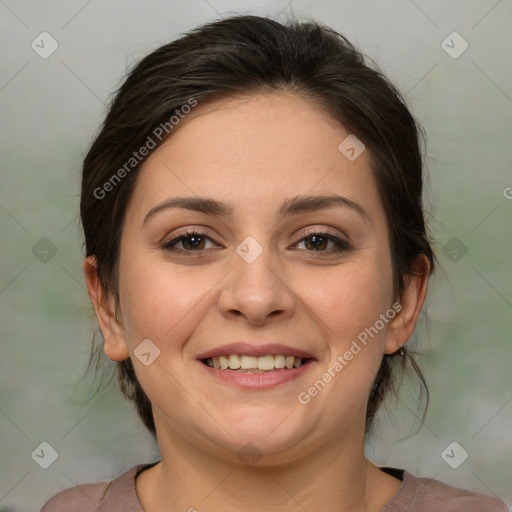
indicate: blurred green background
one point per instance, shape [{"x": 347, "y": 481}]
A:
[{"x": 50, "y": 109}]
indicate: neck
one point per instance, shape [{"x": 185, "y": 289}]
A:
[{"x": 334, "y": 478}]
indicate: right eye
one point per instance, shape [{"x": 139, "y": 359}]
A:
[{"x": 191, "y": 241}]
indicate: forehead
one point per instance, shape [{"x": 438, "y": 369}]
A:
[
  {"x": 263, "y": 126},
  {"x": 254, "y": 148}
]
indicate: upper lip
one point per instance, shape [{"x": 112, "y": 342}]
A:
[{"x": 251, "y": 349}]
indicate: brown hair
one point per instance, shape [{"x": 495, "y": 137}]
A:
[{"x": 244, "y": 55}]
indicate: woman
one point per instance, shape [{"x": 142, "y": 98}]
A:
[{"x": 257, "y": 259}]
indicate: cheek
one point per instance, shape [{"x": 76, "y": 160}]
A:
[
  {"x": 354, "y": 297},
  {"x": 350, "y": 307},
  {"x": 162, "y": 303}
]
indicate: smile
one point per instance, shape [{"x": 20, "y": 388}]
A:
[
  {"x": 256, "y": 365},
  {"x": 253, "y": 364}
]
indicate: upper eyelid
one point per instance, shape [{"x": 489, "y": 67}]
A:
[{"x": 188, "y": 233}]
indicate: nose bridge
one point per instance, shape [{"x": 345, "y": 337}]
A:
[{"x": 254, "y": 289}]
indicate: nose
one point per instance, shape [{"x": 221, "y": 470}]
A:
[{"x": 256, "y": 290}]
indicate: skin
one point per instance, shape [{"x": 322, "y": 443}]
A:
[{"x": 255, "y": 152}]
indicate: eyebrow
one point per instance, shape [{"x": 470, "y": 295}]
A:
[{"x": 292, "y": 206}]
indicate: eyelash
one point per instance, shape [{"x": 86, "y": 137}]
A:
[{"x": 341, "y": 245}]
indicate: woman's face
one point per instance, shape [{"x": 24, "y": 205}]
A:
[{"x": 250, "y": 169}]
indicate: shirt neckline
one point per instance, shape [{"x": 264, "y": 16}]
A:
[{"x": 126, "y": 500}]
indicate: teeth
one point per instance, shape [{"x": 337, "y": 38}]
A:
[
  {"x": 279, "y": 361},
  {"x": 266, "y": 363},
  {"x": 262, "y": 363},
  {"x": 248, "y": 362},
  {"x": 234, "y": 362}
]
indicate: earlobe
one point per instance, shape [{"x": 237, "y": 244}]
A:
[
  {"x": 412, "y": 299},
  {"x": 103, "y": 303}
]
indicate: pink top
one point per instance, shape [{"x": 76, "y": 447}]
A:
[{"x": 414, "y": 495}]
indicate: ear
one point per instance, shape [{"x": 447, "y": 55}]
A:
[
  {"x": 104, "y": 306},
  {"x": 402, "y": 326}
]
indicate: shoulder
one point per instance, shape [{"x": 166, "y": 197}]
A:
[
  {"x": 82, "y": 498},
  {"x": 421, "y": 494},
  {"x": 118, "y": 494}
]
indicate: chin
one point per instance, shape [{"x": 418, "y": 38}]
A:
[{"x": 262, "y": 431}]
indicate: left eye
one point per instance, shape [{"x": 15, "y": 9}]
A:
[{"x": 320, "y": 241}]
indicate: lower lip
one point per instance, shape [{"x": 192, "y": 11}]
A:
[{"x": 257, "y": 380}]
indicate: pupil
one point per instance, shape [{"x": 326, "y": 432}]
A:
[
  {"x": 317, "y": 241},
  {"x": 193, "y": 241}
]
